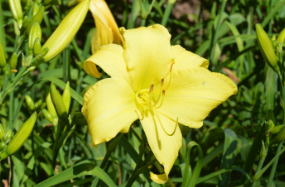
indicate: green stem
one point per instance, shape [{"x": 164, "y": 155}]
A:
[
  {"x": 261, "y": 161},
  {"x": 215, "y": 38},
  {"x": 273, "y": 169},
  {"x": 167, "y": 13},
  {"x": 259, "y": 174}
]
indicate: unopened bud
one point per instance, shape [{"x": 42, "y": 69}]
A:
[
  {"x": 35, "y": 9},
  {"x": 47, "y": 115},
  {"x": 7, "y": 136},
  {"x": 13, "y": 61},
  {"x": 27, "y": 21},
  {"x": 16, "y": 9},
  {"x": 276, "y": 129},
  {"x": 50, "y": 106},
  {"x": 58, "y": 103},
  {"x": 281, "y": 36},
  {"x": 36, "y": 32},
  {"x": 269, "y": 125},
  {"x": 26, "y": 62},
  {"x": 38, "y": 104},
  {"x": 36, "y": 18},
  {"x": 66, "y": 30},
  {"x": 2, "y": 146},
  {"x": 20, "y": 137},
  {"x": 266, "y": 48},
  {"x": 2, "y": 57},
  {"x": 2, "y": 132},
  {"x": 280, "y": 137},
  {"x": 37, "y": 47},
  {"x": 16, "y": 28},
  {"x": 66, "y": 96},
  {"x": 30, "y": 102}
]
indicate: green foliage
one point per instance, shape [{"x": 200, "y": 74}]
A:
[{"x": 233, "y": 148}]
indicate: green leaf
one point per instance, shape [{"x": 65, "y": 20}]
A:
[
  {"x": 230, "y": 148},
  {"x": 82, "y": 169}
]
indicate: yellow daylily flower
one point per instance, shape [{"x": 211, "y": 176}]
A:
[
  {"x": 159, "y": 84},
  {"x": 107, "y": 30}
]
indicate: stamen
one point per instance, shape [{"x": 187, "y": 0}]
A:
[
  {"x": 171, "y": 66},
  {"x": 161, "y": 124},
  {"x": 156, "y": 132},
  {"x": 162, "y": 81},
  {"x": 163, "y": 94},
  {"x": 150, "y": 95}
]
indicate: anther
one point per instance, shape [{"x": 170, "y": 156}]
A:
[
  {"x": 162, "y": 81},
  {"x": 171, "y": 66},
  {"x": 151, "y": 89}
]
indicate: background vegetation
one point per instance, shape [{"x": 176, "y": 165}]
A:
[{"x": 231, "y": 138}]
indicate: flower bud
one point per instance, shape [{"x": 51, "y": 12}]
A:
[
  {"x": 16, "y": 28},
  {"x": 2, "y": 146},
  {"x": 7, "y": 136},
  {"x": 27, "y": 21},
  {"x": 26, "y": 62},
  {"x": 30, "y": 102},
  {"x": 2, "y": 132},
  {"x": 37, "y": 47},
  {"x": 16, "y": 9},
  {"x": 58, "y": 102},
  {"x": 276, "y": 129},
  {"x": 13, "y": 61},
  {"x": 281, "y": 36},
  {"x": 20, "y": 137},
  {"x": 50, "y": 106},
  {"x": 35, "y": 9},
  {"x": 266, "y": 48},
  {"x": 47, "y": 115},
  {"x": 37, "y": 18},
  {"x": 66, "y": 30},
  {"x": 66, "y": 97},
  {"x": 38, "y": 104},
  {"x": 280, "y": 137},
  {"x": 2, "y": 57},
  {"x": 35, "y": 33}
]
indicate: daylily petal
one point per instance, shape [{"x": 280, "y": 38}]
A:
[
  {"x": 147, "y": 54},
  {"x": 106, "y": 27},
  {"x": 109, "y": 108},
  {"x": 160, "y": 179},
  {"x": 193, "y": 93},
  {"x": 110, "y": 58},
  {"x": 186, "y": 59},
  {"x": 165, "y": 147}
]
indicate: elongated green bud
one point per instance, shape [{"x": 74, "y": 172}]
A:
[
  {"x": 16, "y": 9},
  {"x": 58, "y": 102},
  {"x": 279, "y": 137},
  {"x": 27, "y": 21},
  {"x": 66, "y": 96},
  {"x": 13, "y": 61},
  {"x": 37, "y": 18},
  {"x": 276, "y": 129},
  {"x": 47, "y": 115},
  {"x": 2, "y": 146},
  {"x": 20, "y": 137},
  {"x": 66, "y": 30},
  {"x": 26, "y": 62},
  {"x": 35, "y": 9},
  {"x": 7, "y": 136},
  {"x": 2, "y": 132},
  {"x": 16, "y": 28},
  {"x": 2, "y": 57},
  {"x": 281, "y": 36},
  {"x": 36, "y": 32},
  {"x": 30, "y": 102},
  {"x": 38, "y": 104},
  {"x": 266, "y": 48},
  {"x": 50, "y": 106},
  {"x": 37, "y": 47}
]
